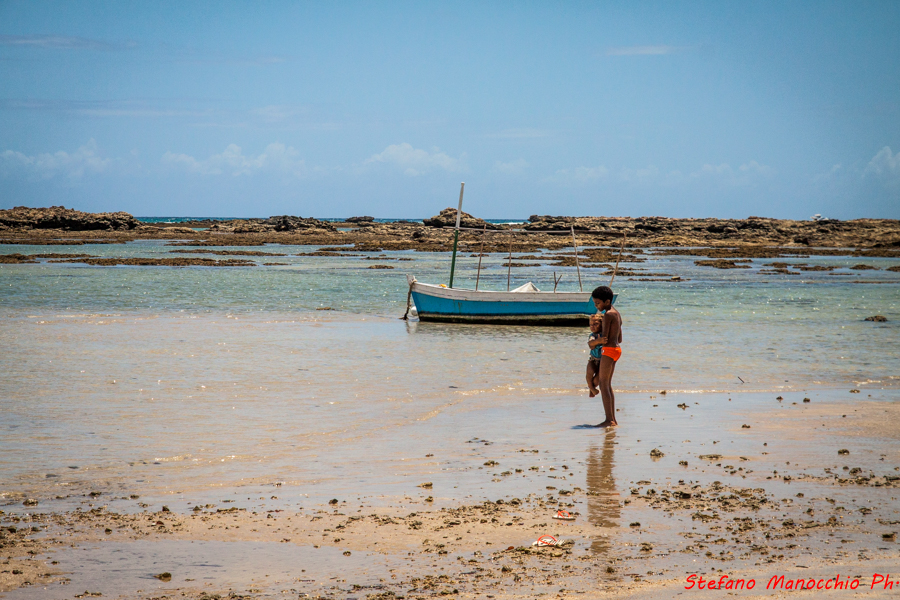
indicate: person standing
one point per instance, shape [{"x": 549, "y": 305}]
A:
[{"x": 610, "y": 352}]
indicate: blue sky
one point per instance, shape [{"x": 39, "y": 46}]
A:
[{"x": 689, "y": 109}]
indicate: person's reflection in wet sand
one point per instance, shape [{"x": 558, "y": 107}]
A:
[{"x": 603, "y": 501}]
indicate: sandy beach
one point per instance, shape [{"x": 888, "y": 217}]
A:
[{"x": 707, "y": 485}]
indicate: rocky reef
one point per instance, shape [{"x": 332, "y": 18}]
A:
[
  {"x": 664, "y": 231},
  {"x": 67, "y": 219},
  {"x": 447, "y": 218},
  {"x": 280, "y": 223},
  {"x": 754, "y": 237}
]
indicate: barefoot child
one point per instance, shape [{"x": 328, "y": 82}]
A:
[
  {"x": 595, "y": 343},
  {"x": 609, "y": 352}
]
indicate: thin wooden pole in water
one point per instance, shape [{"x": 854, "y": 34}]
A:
[
  {"x": 509, "y": 262},
  {"x": 462, "y": 186},
  {"x": 480, "y": 254},
  {"x": 616, "y": 270},
  {"x": 577, "y": 266}
]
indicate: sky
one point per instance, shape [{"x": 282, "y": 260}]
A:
[{"x": 335, "y": 109}]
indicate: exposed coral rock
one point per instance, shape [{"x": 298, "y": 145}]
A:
[
  {"x": 598, "y": 238},
  {"x": 160, "y": 262},
  {"x": 722, "y": 263},
  {"x": 447, "y": 218},
  {"x": 289, "y": 223},
  {"x": 60, "y": 217}
]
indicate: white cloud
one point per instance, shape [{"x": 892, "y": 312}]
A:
[
  {"x": 579, "y": 174},
  {"x": 644, "y": 50},
  {"x": 885, "y": 164},
  {"x": 755, "y": 167},
  {"x": 279, "y": 112},
  {"x": 100, "y": 108},
  {"x": 414, "y": 161},
  {"x": 743, "y": 175},
  {"x": 515, "y": 166},
  {"x": 60, "y": 42},
  {"x": 138, "y": 112},
  {"x": 259, "y": 61},
  {"x": 47, "y": 166},
  {"x": 649, "y": 173},
  {"x": 276, "y": 158},
  {"x": 836, "y": 173},
  {"x": 520, "y": 133}
]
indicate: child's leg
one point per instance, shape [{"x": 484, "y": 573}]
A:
[
  {"x": 591, "y": 376},
  {"x": 607, "y": 368}
]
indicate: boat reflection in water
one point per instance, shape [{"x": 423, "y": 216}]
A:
[{"x": 603, "y": 506}]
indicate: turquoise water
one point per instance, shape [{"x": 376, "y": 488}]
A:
[
  {"x": 234, "y": 376},
  {"x": 711, "y": 332}
]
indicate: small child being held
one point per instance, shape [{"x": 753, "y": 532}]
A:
[{"x": 595, "y": 343}]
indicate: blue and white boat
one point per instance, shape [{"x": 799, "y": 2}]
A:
[{"x": 526, "y": 305}]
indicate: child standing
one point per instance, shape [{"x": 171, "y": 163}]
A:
[{"x": 610, "y": 351}]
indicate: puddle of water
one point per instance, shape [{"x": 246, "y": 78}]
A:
[{"x": 118, "y": 569}]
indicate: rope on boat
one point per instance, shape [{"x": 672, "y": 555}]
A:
[
  {"x": 616, "y": 270},
  {"x": 405, "y": 316}
]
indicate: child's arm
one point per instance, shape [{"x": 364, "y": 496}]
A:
[{"x": 593, "y": 342}]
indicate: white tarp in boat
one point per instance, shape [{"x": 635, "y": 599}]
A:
[{"x": 528, "y": 287}]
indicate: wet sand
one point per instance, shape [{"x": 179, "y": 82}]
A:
[
  {"x": 244, "y": 419},
  {"x": 767, "y": 490}
]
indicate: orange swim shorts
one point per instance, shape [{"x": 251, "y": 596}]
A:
[{"x": 614, "y": 353}]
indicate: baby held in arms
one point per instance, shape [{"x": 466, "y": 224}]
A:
[{"x": 595, "y": 343}]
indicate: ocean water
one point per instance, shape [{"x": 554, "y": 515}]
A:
[{"x": 186, "y": 380}]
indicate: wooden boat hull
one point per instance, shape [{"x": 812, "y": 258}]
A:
[{"x": 454, "y": 305}]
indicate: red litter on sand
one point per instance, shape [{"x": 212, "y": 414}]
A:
[
  {"x": 546, "y": 540},
  {"x": 564, "y": 515}
]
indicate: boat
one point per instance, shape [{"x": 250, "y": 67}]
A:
[{"x": 525, "y": 305}]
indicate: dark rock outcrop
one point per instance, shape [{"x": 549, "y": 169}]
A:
[
  {"x": 721, "y": 263},
  {"x": 60, "y": 217},
  {"x": 447, "y": 218},
  {"x": 13, "y": 259},
  {"x": 159, "y": 262},
  {"x": 279, "y": 223},
  {"x": 290, "y": 223},
  {"x": 360, "y": 220}
]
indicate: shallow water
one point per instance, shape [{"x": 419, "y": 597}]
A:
[
  {"x": 164, "y": 380},
  {"x": 125, "y": 568}
]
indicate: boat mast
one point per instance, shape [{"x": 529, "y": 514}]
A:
[
  {"x": 480, "y": 254},
  {"x": 462, "y": 186},
  {"x": 577, "y": 266},
  {"x": 509, "y": 261},
  {"x": 616, "y": 270}
]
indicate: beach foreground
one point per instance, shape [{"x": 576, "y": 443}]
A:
[
  {"x": 278, "y": 432},
  {"x": 810, "y": 494}
]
